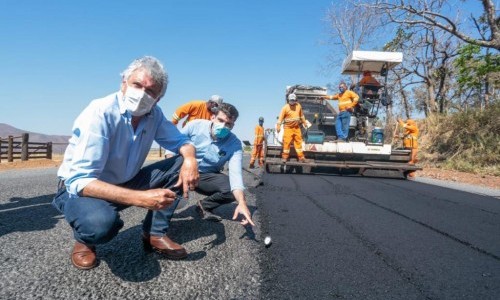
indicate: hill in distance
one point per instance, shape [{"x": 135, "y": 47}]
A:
[
  {"x": 6, "y": 130},
  {"x": 59, "y": 141}
]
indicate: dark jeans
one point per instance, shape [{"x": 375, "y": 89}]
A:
[
  {"x": 96, "y": 221},
  {"x": 216, "y": 187}
]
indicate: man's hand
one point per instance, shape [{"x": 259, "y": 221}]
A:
[
  {"x": 242, "y": 208},
  {"x": 157, "y": 199},
  {"x": 188, "y": 176}
]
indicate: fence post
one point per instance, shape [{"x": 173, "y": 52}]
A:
[
  {"x": 24, "y": 147},
  {"x": 10, "y": 149},
  {"x": 0, "y": 149},
  {"x": 159, "y": 151},
  {"x": 49, "y": 150}
]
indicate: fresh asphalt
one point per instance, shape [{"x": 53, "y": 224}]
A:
[{"x": 334, "y": 237}]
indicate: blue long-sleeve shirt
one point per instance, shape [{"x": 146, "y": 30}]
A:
[
  {"x": 212, "y": 155},
  {"x": 105, "y": 146}
]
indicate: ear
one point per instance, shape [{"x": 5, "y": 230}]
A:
[{"x": 123, "y": 86}]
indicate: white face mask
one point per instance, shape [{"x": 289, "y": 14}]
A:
[{"x": 138, "y": 102}]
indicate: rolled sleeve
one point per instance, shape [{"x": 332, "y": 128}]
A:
[
  {"x": 90, "y": 151},
  {"x": 170, "y": 138},
  {"x": 235, "y": 175}
]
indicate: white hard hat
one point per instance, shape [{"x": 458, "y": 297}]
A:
[
  {"x": 292, "y": 97},
  {"x": 216, "y": 98}
]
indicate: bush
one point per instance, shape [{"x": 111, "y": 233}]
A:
[{"x": 466, "y": 141}]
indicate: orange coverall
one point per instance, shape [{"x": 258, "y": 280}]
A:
[
  {"x": 410, "y": 140},
  {"x": 258, "y": 146},
  {"x": 196, "y": 109},
  {"x": 292, "y": 117}
]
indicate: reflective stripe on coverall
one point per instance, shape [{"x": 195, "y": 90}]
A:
[
  {"x": 258, "y": 148},
  {"x": 292, "y": 117},
  {"x": 348, "y": 99}
]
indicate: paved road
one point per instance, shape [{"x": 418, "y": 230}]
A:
[
  {"x": 373, "y": 238},
  {"x": 36, "y": 243},
  {"x": 333, "y": 237}
]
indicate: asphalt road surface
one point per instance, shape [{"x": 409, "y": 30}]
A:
[
  {"x": 334, "y": 237},
  {"x": 341, "y": 237}
]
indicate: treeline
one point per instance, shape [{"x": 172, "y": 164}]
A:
[{"x": 451, "y": 60}]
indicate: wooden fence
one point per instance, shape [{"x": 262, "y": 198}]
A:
[{"x": 20, "y": 147}]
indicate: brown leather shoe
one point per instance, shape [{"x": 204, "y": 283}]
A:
[
  {"x": 83, "y": 256},
  {"x": 164, "y": 245}
]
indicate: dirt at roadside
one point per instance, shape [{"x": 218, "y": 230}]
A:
[{"x": 441, "y": 174}]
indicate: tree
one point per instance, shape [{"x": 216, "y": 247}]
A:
[
  {"x": 428, "y": 14},
  {"x": 348, "y": 30},
  {"x": 427, "y": 64},
  {"x": 478, "y": 73}
]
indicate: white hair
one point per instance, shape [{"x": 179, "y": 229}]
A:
[{"x": 155, "y": 69}]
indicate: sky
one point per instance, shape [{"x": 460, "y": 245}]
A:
[{"x": 57, "y": 56}]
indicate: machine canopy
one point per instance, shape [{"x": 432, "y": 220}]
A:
[{"x": 373, "y": 61}]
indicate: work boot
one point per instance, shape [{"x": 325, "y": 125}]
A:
[
  {"x": 302, "y": 160},
  {"x": 83, "y": 257},
  {"x": 251, "y": 166}
]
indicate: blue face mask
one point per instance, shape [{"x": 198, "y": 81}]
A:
[
  {"x": 220, "y": 131},
  {"x": 341, "y": 89}
]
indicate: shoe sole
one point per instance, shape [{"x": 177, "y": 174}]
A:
[{"x": 212, "y": 219}]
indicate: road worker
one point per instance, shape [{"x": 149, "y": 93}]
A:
[
  {"x": 347, "y": 101},
  {"x": 197, "y": 109},
  {"x": 368, "y": 79},
  {"x": 258, "y": 145},
  {"x": 369, "y": 84},
  {"x": 410, "y": 142},
  {"x": 291, "y": 117}
]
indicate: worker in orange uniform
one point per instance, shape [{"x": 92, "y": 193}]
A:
[
  {"x": 292, "y": 117},
  {"x": 370, "y": 85},
  {"x": 410, "y": 140},
  {"x": 258, "y": 145},
  {"x": 197, "y": 109},
  {"x": 347, "y": 101},
  {"x": 368, "y": 79}
]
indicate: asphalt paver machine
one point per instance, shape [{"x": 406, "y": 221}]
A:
[{"x": 366, "y": 152}]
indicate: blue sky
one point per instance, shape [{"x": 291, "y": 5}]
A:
[{"x": 56, "y": 56}]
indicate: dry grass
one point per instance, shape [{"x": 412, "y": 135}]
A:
[{"x": 468, "y": 141}]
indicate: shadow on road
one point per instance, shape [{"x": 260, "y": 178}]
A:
[
  {"x": 28, "y": 214},
  {"x": 128, "y": 260}
]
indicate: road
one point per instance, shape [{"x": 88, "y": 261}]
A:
[
  {"x": 376, "y": 238},
  {"x": 333, "y": 237}
]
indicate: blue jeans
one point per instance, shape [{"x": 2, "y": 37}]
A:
[
  {"x": 96, "y": 221},
  {"x": 342, "y": 124}
]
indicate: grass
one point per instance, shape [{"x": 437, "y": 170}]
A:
[{"x": 466, "y": 141}]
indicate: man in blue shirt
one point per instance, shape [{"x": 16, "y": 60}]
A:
[
  {"x": 215, "y": 145},
  {"x": 101, "y": 173}
]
